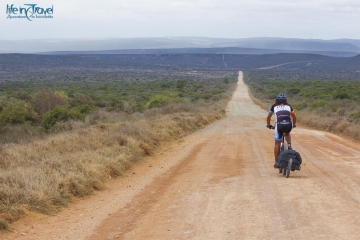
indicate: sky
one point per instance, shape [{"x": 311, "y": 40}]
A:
[{"x": 318, "y": 19}]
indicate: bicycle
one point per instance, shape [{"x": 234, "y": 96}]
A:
[{"x": 285, "y": 171}]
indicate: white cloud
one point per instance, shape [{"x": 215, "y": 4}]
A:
[{"x": 327, "y": 19}]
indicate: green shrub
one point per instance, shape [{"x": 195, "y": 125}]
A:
[
  {"x": 355, "y": 115},
  {"x": 139, "y": 107},
  {"x": 341, "y": 95},
  {"x": 85, "y": 109},
  {"x": 61, "y": 114},
  {"x": 17, "y": 114},
  {"x": 215, "y": 91},
  {"x": 81, "y": 99},
  {"x": 3, "y": 225},
  {"x": 299, "y": 106},
  {"x": 162, "y": 99},
  {"x": 181, "y": 83},
  {"x": 24, "y": 96},
  {"x": 294, "y": 91},
  {"x": 75, "y": 114},
  {"x": 318, "y": 104}
]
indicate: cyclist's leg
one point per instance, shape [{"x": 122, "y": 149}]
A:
[
  {"x": 277, "y": 137},
  {"x": 288, "y": 138},
  {"x": 277, "y": 149},
  {"x": 287, "y": 129}
]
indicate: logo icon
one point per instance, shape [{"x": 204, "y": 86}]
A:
[{"x": 29, "y": 11}]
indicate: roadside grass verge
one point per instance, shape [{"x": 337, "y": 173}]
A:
[{"x": 45, "y": 174}]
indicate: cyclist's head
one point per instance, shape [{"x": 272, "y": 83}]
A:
[{"x": 280, "y": 98}]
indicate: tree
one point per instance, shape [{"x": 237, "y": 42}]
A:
[
  {"x": 181, "y": 83},
  {"x": 45, "y": 101}
]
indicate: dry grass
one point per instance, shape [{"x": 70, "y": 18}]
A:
[
  {"x": 335, "y": 124},
  {"x": 334, "y": 118},
  {"x": 44, "y": 174}
]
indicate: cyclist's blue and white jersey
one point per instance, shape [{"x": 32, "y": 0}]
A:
[
  {"x": 283, "y": 122},
  {"x": 282, "y": 112}
]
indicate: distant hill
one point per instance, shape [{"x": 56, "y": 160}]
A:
[
  {"x": 350, "y": 41},
  {"x": 338, "y": 47},
  {"x": 223, "y": 50},
  {"x": 306, "y": 62}
]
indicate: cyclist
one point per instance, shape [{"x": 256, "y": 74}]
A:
[{"x": 283, "y": 123}]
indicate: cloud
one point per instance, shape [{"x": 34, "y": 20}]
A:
[{"x": 213, "y": 18}]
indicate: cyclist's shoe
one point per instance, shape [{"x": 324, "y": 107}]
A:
[
  {"x": 276, "y": 165},
  {"x": 290, "y": 147}
]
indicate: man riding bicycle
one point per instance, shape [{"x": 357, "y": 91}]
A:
[{"x": 283, "y": 123}]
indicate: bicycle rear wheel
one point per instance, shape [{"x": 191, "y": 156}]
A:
[
  {"x": 282, "y": 147},
  {"x": 289, "y": 168}
]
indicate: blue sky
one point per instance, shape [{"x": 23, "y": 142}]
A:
[{"x": 321, "y": 19}]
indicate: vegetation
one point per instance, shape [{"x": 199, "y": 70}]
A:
[
  {"x": 298, "y": 75},
  {"x": 331, "y": 105},
  {"x": 44, "y": 103},
  {"x": 64, "y": 138},
  {"x": 69, "y": 123},
  {"x": 175, "y": 62}
]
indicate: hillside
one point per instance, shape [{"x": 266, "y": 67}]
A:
[
  {"x": 313, "y": 62},
  {"x": 214, "y": 50},
  {"x": 338, "y": 47}
]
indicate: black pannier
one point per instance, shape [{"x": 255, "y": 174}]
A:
[{"x": 284, "y": 157}]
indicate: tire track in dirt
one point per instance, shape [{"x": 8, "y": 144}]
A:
[{"x": 124, "y": 221}]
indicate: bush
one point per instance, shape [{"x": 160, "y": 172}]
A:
[
  {"x": 81, "y": 99},
  {"x": 181, "y": 83},
  {"x": 342, "y": 95},
  {"x": 45, "y": 101},
  {"x": 3, "y": 225},
  {"x": 355, "y": 115},
  {"x": 318, "y": 104},
  {"x": 24, "y": 96},
  {"x": 160, "y": 100},
  {"x": 61, "y": 114},
  {"x": 17, "y": 114},
  {"x": 299, "y": 106},
  {"x": 294, "y": 91},
  {"x": 85, "y": 109},
  {"x": 139, "y": 107}
]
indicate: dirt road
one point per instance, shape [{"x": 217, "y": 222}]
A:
[{"x": 219, "y": 183}]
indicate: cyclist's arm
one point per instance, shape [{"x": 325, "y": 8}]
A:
[
  {"x": 269, "y": 118},
  {"x": 293, "y": 117}
]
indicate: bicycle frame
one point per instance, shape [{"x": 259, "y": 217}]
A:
[{"x": 283, "y": 146}]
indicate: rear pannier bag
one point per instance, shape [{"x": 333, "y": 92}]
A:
[{"x": 284, "y": 157}]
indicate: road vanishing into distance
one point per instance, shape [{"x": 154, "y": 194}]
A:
[{"x": 219, "y": 183}]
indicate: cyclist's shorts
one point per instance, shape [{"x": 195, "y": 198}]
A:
[{"x": 280, "y": 129}]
